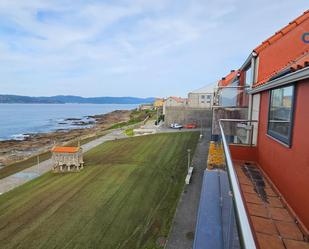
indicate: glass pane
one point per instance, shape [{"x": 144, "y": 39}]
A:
[
  {"x": 233, "y": 97},
  {"x": 248, "y": 76},
  {"x": 281, "y": 110}
]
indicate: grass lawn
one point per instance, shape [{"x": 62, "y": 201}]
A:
[
  {"x": 124, "y": 198},
  {"x": 24, "y": 164}
]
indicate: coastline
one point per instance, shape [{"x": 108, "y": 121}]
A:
[{"x": 12, "y": 151}]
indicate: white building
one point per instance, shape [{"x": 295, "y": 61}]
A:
[{"x": 202, "y": 97}]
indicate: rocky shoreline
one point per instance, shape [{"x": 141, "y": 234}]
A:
[{"x": 33, "y": 144}]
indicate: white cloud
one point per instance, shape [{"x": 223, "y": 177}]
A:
[{"x": 101, "y": 47}]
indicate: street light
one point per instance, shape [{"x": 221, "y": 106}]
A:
[
  {"x": 38, "y": 163},
  {"x": 201, "y": 128},
  {"x": 189, "y": 154}
]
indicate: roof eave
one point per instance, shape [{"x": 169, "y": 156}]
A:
[
  {"x": 284, "y": 80},
  {"x": 248, "y": 60}
]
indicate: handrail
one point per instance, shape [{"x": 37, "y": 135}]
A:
[
  {"x": 244, "y": 228},
  {"x": 237, "y": 120}
]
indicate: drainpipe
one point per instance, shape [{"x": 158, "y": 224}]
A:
[{"x": 253, "y": 79}]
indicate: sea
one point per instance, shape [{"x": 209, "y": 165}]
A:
[{"x": 17, "y": 121}]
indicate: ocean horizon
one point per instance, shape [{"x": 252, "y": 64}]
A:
[{"x": 19, "y": 120}]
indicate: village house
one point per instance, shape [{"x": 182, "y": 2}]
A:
[
  {"x": 174, "y": 102},
  {"x": 158, "y": 103},
  {"x": 267, "y": 152}
]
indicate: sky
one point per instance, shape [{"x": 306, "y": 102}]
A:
[{"x": 139, "y": 48}]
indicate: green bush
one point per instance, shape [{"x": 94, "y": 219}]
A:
[{"x": 129, "y": 132}]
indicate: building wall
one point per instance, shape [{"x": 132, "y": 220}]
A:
[
  {"x": 200, "y": 100},
  {"x": 187, "y": 115},
  {"x": 288, "y": 168}
]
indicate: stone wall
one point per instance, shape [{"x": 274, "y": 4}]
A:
[{"x": 186, "y": 115}]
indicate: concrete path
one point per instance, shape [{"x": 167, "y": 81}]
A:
[
  {"x": 183, "y": 228},
  {"x": 17, "y": 179}
]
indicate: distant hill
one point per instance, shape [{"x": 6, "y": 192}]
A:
[{"x": 61, "y": 99}]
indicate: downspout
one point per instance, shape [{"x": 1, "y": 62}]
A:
[{"x": 253, "y": 80}]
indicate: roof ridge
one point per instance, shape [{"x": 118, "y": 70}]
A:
[{"x": 283, "y": 31}]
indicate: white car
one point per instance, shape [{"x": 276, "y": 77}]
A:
[{"x": 176, "y": 126}]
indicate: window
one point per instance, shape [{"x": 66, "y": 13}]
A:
[
  {"x": 208, "y": 97},
  {"x": 248, "y": 75},
  {"x": 280, "y": 115},
  {"x": 203, "y": 96}
]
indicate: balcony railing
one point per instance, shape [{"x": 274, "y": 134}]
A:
[
  {"x": 240, "y": 132},
  {"x": 231, "y": 96}
]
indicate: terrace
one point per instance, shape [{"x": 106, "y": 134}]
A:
[{"x": 247, "y": 211}]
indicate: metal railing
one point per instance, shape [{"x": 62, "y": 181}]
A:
[{"x": 242, "y": 220}]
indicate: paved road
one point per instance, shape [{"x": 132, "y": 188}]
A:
[
  {"x": 17, "y": 179},
  {"x": 183, "y": 228}
]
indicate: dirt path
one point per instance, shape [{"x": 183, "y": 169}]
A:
[
  {"x": 182, "y": 233},
  {"x": 15, "y": 180}
]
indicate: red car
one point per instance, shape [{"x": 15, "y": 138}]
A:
[{"x": 190, "y": 126}]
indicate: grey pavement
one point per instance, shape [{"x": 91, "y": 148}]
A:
[
  {"x": 17, "y": 179},
  {"x": 183, "y": 227}
]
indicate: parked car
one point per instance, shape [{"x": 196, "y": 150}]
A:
[
  {"x": 190, "y": 126},
  {"x": 176, "y": 126}
]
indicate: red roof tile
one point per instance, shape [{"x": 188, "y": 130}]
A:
[
  {"x": 283, "y": 49},
  {"x": 227, "y": 80},
  {"x": 294, "y": 65},
  {"x": 65, "y": 149},
  {"x": 282, "y": 32},
  {"x": 300, "y": 62},
  {"x": 178, "y": 99}
]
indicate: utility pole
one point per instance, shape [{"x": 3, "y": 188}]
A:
[
  {"x": 189, "y": 154},
  {"x": 201, "y": 128}
]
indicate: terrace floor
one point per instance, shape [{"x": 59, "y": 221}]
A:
[{"x": 274, "y": 226}]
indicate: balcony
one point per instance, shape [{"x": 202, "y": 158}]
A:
[
  {"x": 231, "y": 96},
  {"x": 240, "y": 202},
  {"x": 256, "y": 198}
]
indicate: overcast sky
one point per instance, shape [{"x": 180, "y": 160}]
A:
[{"x": 130, "y": 47}]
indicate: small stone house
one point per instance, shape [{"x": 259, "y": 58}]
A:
[{"x": 67, "y": 159}]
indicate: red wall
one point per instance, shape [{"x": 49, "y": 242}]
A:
[
  {"x": 243, "y": 153},
  {"x": 288, "y": 168}
]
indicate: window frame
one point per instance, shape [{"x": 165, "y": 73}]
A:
[
  {"x": 246, "y": 78},
  {"x": 276, "y": 136}
]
